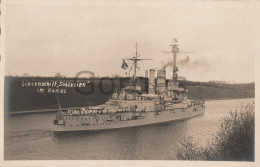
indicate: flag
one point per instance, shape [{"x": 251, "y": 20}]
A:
[
  {"x": 175, "y": 40},
  {"x": 124, "y": 65}
]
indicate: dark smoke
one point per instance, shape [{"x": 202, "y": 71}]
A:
[
  {"x": 183, "y": 62},
  {"x": 199, "y": 64},
  {"x": 187, "y": 63},
  {"x": 165, "y": 65}
]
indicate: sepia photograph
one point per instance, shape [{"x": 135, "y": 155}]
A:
[{"x": 168, "y": 81}]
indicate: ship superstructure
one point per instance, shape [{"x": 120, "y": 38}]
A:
[{"x": 165, "y": 101}]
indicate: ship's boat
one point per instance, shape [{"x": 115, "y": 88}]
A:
[{"x": 130, "y": 107}]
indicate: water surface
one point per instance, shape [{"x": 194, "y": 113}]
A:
[{"x": 30, "y": 137}]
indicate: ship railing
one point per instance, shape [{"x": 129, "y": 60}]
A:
[{"x": 95, "y": 112}]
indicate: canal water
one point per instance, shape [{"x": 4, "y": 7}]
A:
[{"x": 30, "y": 137}]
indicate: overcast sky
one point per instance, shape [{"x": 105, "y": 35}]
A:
[{"x": 43, "y": 38}]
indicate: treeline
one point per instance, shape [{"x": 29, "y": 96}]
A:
[
  {"x": 23, "y": 98},
  {"x": 243, "y": 86},
  {"x": 183, "y": 83}
]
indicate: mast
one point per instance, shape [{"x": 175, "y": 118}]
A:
[
  {"x": 135, "y": 64},
  {"x": 58, "y": 101},
  {"x": 135, "y": 60},
  {"x": 60, "y": 112},
  {"x": 175, "y": 50}
]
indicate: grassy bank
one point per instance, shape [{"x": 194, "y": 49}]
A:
[{"x": 210, "y": 93}]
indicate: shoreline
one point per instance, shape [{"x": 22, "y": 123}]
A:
[
  {"x": 55, "y": 110},
  {"x": 229, "y": 98}
]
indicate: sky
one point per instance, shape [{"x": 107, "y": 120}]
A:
[{"x": 43, "y": 38}]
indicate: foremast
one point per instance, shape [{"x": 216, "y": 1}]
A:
[{"x": 135, "y": 59}]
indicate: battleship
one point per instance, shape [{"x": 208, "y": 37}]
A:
[{"x": 165, "y": 101}]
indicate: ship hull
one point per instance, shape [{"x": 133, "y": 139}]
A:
[{"x": 149, "y": 118}]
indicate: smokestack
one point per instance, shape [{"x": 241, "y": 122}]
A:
[
  {"x": 146, "y": 73},
  {"x": 151, "y": 82},
  {"x": 161, "y": 84}
]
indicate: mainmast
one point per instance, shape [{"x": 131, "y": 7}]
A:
[{"x": 175, "y": 50}]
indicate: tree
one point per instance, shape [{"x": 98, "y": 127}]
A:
[
  {"x": 234, "y": 141},
  {"x": 26, "y": 74},
  {"x": 58, "y": 75}
]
